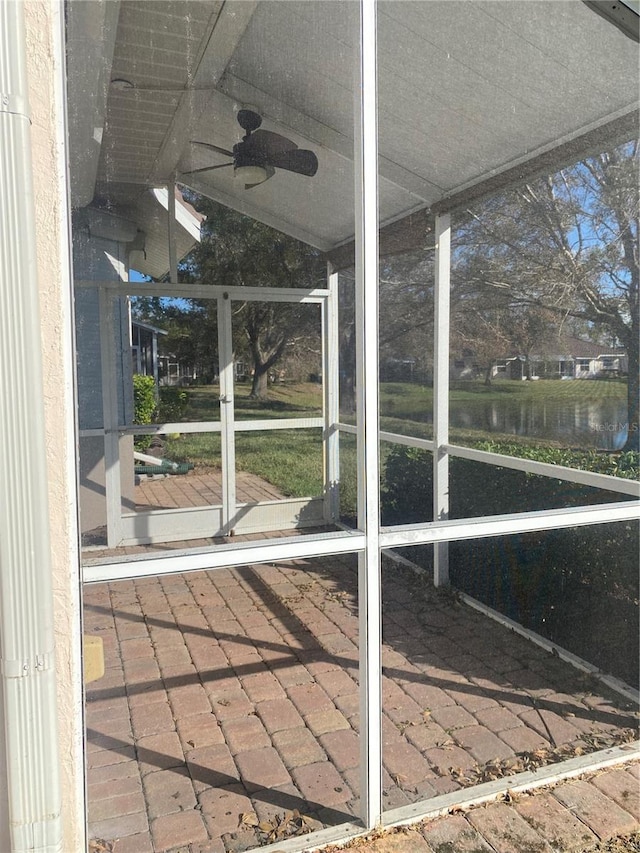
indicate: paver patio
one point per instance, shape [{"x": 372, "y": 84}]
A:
[
  {"x": 201, "y": 489},
  {"x": 230, "y": 698},
  {"x": 560, "y": 818}
]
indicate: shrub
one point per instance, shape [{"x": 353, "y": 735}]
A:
[
  {"x": 552, "y": 581},
  {"x": 622, "y": 464},
  {"x": 408, "y": 486},
  {"x": 144, "y": 406},
  {"x": 173, "y": 404}
]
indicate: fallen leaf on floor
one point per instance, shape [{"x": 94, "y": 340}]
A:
[
  {"x": 287, "y": 825},
  {"x": 508, "y": 797},
  {"x": 98, "y": 845}
]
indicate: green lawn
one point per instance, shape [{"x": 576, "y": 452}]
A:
[
  {"x": 303, "y": 400},
  {"x": 289, "y": 459},
  {"x": 547, "y": 389}
]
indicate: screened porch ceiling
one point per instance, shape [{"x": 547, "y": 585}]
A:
[{"x": 471, "y": 95}]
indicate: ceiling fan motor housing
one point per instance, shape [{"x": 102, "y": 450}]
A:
[{"x": 249, "y": 120}]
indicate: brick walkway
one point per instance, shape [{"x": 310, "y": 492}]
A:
[{"x": 234, "y": 693}]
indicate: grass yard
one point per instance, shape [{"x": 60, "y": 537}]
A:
[
  {"x": 289, "y": 459},
  {"x": 544, "y": 389},
  {"x": 303, "y": 400}
]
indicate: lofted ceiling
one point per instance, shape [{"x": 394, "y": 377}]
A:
[{"x": 468, "y": 90}]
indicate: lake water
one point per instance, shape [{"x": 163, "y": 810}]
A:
[{"x": 600, "y": 425}]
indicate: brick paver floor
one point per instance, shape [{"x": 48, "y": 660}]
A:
[
  {"x": 185, "y": 490},
  {"x": 230, "y": 700},
  {"x": 559, "y": 818}
]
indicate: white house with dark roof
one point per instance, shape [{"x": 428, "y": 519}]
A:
[{"x": 569, "y": 358}]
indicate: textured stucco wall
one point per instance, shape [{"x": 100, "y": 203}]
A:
[{"x": 46, "y": 93}]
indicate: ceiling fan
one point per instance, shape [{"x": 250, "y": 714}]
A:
[{"x": 260, "y": 153}]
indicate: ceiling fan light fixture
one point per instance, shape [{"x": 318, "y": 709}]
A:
[{"x": 251, "y": 174}]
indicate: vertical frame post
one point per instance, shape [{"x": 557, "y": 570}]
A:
[
  {"x": 368, "y": 433},
  {"x": 441, "y": 392},
  {"x": 154, "y": 359},
  {"x": 112, "y": 477},
  {"x": 227, "y": 436},
  {"x": 171, "y": 218},
  {"x": 330, "y": 396}
]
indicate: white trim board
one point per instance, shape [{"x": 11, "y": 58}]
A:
[{"x": 201, "y": 522}]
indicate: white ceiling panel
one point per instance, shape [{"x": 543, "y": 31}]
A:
[
  {"x": 302, "y": 53},
  {"x": 467, "y": 89},
  {"x": 470, "y": 87}
]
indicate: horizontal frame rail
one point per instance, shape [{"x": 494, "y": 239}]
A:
[
  {"x": 408, "y": 440},
  {"x": 211, "y": 426},
  {"x": 606, "y": 482},
  {"x": 546, "y": 469},
  {"x": 279, "y": 423},
  {"x": 209, "y": 291},
  {"x": 503, "y": 525},
  {"x": 224, "y": 556},
  {"x": 347, "y": 541}
]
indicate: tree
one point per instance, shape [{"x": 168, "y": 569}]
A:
[
  {"x": 406, "y": 318},
  {"x": 565, "y": 244},
  {"x": 191, "y": 326},
  {"x": 237, "y": 251}
]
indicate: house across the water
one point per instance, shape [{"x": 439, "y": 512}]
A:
[
  {"x": 569, "y": 358},
  {"x": 566, "y": 357}
]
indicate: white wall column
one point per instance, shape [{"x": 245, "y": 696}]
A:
[
  {"x": 32, "y": 770},
  {"x": 368, "y": 435},
  {"x": 441, "y": 393}
]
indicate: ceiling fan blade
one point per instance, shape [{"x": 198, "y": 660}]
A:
[
  {"x": 213, "y": 147},
  {"x": 205, "y": 169},
  {"x": 265, "y": 143},
  {"x": 301, "y": 161},
  {"x": 270, "y": 173}
]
